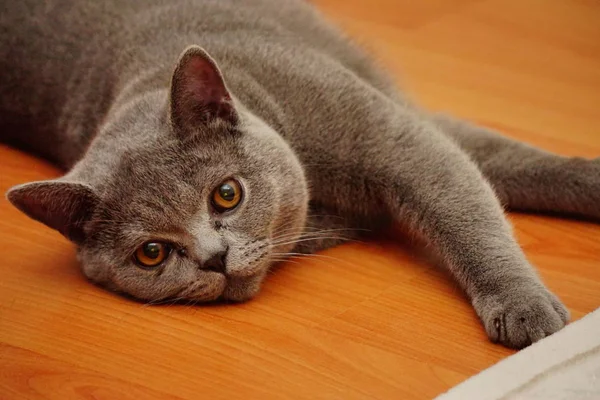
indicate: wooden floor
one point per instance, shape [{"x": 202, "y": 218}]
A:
[{"x": 368, "y": 320}]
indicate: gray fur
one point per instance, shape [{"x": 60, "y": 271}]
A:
[{"x": 323, "y": 143}]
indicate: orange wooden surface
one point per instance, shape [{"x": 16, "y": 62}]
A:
[{"x": 366, "y": 320}]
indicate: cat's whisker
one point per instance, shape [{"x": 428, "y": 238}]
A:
[
  {"x": 191, "y": 303},
  {"x": 324, "y": 231},
  {"x": 319, "y": 257},
  {"x": 293, "y": 222},
  {"x": 312, "y": 230},
  {"x": 276, "y": 244},
  {"x": 308, "y": 226},
  {"x": 308, "y": 223},
  {"x": 301, "y": 236},
  {"x": 152, "y": 303},
  {"x": 167, "y": 301},
  {"x": 295, "y": 229},
  {"x": 284, "y": 260}
]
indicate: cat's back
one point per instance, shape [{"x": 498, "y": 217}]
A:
[
  {"x": 62, "y": 61},
  {"x": 52, "y": 35},
  {"x": 50, "y": 50}
]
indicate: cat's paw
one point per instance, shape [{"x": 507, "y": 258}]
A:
[{"x": 520, "y": 317}]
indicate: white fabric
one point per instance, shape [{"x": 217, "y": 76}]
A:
[{"x": 564, "y": 366}]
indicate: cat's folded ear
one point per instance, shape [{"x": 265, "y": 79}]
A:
[
  {"x": 198, "y": 93},
  {"x": 64, "y": 206}
]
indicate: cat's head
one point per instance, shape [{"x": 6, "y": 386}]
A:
[{"x": 199, "y": 201}]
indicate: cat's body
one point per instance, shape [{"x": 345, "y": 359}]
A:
[
  {"x": 105, "y": 45},
  {"x": 320, "y": 142}
]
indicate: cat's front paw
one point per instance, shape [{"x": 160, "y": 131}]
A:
[{"x": 519, "y": 317}]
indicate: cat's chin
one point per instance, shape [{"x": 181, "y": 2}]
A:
[
  {"x": 240, "y": 289},
  {"x": 205, "y": 291}
]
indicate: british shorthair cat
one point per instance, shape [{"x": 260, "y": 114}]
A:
[{"x": 206, "y": 140}]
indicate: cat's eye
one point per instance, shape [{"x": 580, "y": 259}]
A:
[
  {"x": 152, "y": 254},
  {"x": 227, "y": 196}
]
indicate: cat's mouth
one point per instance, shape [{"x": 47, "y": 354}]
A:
[
  {"x": 222, "y": 286},
  {"x": 208, "y": 289},
  {"x": 246, "y": 272}
]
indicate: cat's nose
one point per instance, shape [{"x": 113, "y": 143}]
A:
[{"x": 216, "y": 262}]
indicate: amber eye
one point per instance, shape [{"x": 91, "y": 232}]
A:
[
  {"x": 227, "y": 196},
  {"x": 152, "y": 254}
]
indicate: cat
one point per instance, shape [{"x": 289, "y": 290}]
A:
[{"x": 206, "y": 140}]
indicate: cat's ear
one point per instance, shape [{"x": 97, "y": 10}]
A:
[
  {"x": 198, "y": 92},
  {"x": 64, "y": 206}
]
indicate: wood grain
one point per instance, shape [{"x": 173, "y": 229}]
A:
[{"x": 367, "y": 320}]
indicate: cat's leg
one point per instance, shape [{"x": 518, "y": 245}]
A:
[
  {"x": 527, "y": 178},
  {"x": 408, "y": 171}
]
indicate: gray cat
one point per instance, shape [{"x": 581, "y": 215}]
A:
[{"x": 191, "y": 174}]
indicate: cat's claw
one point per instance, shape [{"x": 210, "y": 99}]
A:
[{"x": 519, "y": 318}]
